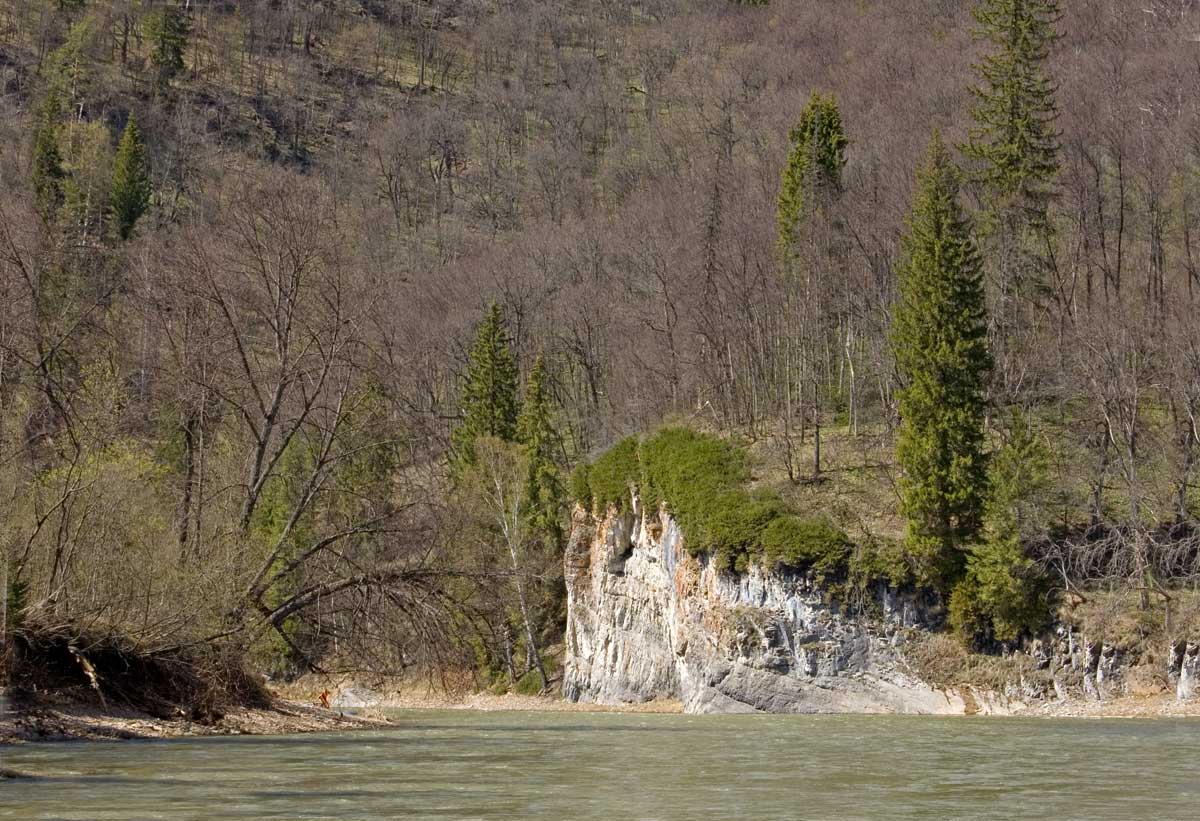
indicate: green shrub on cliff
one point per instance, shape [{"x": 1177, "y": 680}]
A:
[
  {"x": 610, "y": 476},
  {"x": 791, "y": 541},
  {"x": 580, "y": 488},
  {"x": 732, "y": 527},
  {"x": 701, "y": 480}
]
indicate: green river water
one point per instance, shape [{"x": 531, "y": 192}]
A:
[{"x": 462, "y": 765}]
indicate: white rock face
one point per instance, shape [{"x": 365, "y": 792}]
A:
[
  {"x": 1189, "y": 671},
  {"x": 646, "y": 620}
]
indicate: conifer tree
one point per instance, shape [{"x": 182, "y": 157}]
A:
[
  {"x": 168, "y": 30},
  {"x": 940, "y": 337},
  {"x": 1012, "y": 155},
  {"x": 488, "y": 401},
  {"x": 1002, "y": 594},
  {"x": 814, "y": 168},
  {"x": 46, "y": 174},
  {"x": 535, "y": 431},
  {"x": 1014, "y": 144},
  {"x": 130, "y": 195},
  {"x": 71, "y": 65}
]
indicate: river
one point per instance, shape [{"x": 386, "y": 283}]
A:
[{"x": 463, "y": 765}]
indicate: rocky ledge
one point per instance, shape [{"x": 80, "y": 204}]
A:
[{"x": 647, "y": 620}]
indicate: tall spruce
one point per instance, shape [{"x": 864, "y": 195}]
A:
[
  {"x": 1014, "y": 144},
  {"x": 536, "y": 433},
  {"x": 488, "y": 401},
  {"x": 168, "y": 30},
  {"x": 814, "y": 168},
  {"x": 46, "y": 173},
  {"x": 939, "y": 334},
  {"x": 130, "y": 194}
]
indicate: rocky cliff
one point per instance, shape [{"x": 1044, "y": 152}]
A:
[{"x": 648, "y": 620}]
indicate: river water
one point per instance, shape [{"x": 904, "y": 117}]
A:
[{"x": 462, "y": 765}]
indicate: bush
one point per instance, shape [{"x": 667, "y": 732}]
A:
[
  {"x": 581, "y": 490},
  {"x": 529, "y": 684},
  {"x": 800, "y": 544},
  {"x": 609, "y": 477},
  {"x": 689, "y": 470},
  {"x": 733, "y": 527},
  {"x": 700, "y": 479}
]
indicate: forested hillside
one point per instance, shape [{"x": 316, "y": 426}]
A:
[{"x": 310, "y": 308}]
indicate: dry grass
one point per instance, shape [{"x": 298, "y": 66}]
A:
[
  {"x": 943, "y": 662},
  {"x": 856, "y": 486},
  {"x": 1118, "y": 619}
]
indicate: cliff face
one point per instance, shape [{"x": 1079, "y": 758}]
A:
[{"x": 647, "y": 620}]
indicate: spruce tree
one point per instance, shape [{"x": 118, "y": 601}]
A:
[
  {"x": 130, "y": 195},
  {"x": 1014, "y": 144},
  {"x": 939, "y": 334},
  {"x": 168, "y": 31},
  {"x": 1012, "y": 156},
  {"x": 488, "y": 401},
  {"x": 535, "y": 431},
  {"x": 1002, "y": 594},
  {"x": 814, "y": 168},
  {"x": 46, "y": 174}
]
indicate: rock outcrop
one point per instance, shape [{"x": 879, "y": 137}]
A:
[{"x": 648, "y": 620}]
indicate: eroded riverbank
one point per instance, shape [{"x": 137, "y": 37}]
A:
[{"x": 78, "y": 722}]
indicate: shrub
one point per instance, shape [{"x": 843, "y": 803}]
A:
[
  {"x": 681, "y": 466},
  {"x": 734, "y": 525},
  {"x": 609, "y": 477},
  {"x": 701, "y": 480},
  {"x": 529, "y": 684},
  {"x": 691, "y": 472},
  {"x": 581, "y": 490},
  {"x": 801, "y": 544}
]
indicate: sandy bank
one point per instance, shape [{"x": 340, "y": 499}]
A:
[
  {"x": 68, "y": 722},
  {"x": 75, "y": 722}
]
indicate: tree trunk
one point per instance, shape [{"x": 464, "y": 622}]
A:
[{"x": 524, "y": 604}]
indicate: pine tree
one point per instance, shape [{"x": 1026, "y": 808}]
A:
[
  {"x": 130, "y": 195},
  {"x": 940, "y": 337},
  {"x": 1014, "y": 143},
  {"x": 535, "y": 431},
  {"x": 814, "y": 168},
  {"x": 168, "y": 31},
  {"x": 46, "y": 175},
  {"x": 489, "y": 396}
]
